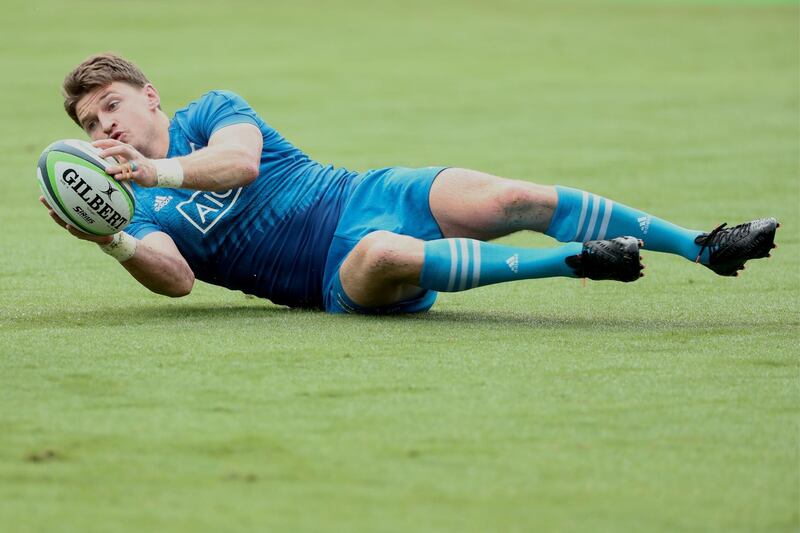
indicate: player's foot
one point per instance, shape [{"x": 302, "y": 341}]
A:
[
  {"x": 730, "y": 248},
  {"x": 616, "y": 259}
]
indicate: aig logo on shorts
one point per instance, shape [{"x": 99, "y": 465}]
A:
[{"x": 205, "y": 208}]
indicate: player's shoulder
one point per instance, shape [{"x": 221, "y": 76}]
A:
[
  {"x": 222, "y": 93},
  {"x": 212, "y": 98},
  {"x": 214, "y": 109}
]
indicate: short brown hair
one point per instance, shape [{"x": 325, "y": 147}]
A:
[{"x": 98, "y": 71}]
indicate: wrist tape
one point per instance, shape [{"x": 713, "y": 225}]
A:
[
  {"x": 121, "y": 248},
  {"x": 169, "y": 173}
]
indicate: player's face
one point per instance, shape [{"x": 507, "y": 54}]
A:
[{"x": 120, "y": 111}]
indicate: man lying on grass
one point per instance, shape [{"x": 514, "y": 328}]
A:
[{"x": 224, "y": 198}]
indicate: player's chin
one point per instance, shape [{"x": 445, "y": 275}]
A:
[{"x": 131, "y": 140}]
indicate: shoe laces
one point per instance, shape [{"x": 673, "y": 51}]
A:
[{"x": 721, "y": 236}]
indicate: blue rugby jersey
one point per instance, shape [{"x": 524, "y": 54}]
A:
[{"x": 270, "y": 238}]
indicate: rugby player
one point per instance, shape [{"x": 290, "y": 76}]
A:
[{"x": 223, "y": 197}]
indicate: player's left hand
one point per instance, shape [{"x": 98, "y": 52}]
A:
[{"x": 133, "y": 165}]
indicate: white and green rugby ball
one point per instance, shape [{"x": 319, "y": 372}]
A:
[{"x": 74, "y": 182}]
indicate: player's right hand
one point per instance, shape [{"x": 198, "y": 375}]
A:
[{"x": 99, "y": 239}]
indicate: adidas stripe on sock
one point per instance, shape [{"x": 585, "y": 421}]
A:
[
  {"x": 453, "y": 265},
  {"x": 581, "y": 216}
]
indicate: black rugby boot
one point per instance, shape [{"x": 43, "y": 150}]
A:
[
  {"x": 617, "y": 259},
  {"x": 730, "y": 248}
]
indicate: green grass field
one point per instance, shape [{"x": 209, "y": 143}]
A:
[{"x": 670, "y": 404}]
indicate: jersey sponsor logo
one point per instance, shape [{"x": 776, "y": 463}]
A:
[
  {"x": 205, "y": 208},
  {"x": 161, "y": 202}
]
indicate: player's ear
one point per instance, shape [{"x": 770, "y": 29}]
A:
[{"x": 153, "y": 99}]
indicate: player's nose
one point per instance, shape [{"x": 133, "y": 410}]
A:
[{"x": 108, "y": 125}]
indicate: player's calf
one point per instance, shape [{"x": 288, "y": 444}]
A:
[
  {"x": 581, "y": 216},
  {"x": 453, "y": 265}
]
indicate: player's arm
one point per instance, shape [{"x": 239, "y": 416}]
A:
[
  {"x": 154, "y": 261},
  {"x": 230, "y": 160},
  {"x": 158, "y": 265}
]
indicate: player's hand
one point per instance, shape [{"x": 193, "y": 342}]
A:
[
  {"x": 133, "y": 165},
  {"x": 99, "y": 239}
]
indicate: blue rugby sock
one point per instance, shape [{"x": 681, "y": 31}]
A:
[
  {"x": 581, "y": 216},
  {"x": 453, "y": 265}
]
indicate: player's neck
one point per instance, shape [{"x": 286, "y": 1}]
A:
[{"x": 160, "y": 141}]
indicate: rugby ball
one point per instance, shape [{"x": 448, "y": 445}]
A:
[{"x": 74, "y": 182}]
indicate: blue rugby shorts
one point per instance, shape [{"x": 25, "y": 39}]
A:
[{"x": 394, "y": 199}]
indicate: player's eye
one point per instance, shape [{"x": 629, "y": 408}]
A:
[
  {"x": 90, "y": 125},
  {"x": 113, "y": 105}
]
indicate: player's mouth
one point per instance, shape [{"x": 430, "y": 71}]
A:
[{"x": 118, "y": 136}]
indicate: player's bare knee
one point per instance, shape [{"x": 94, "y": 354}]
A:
[
  {"x": 385, "y": 253},
  {"x": 517, "y": 199},
  {"x": 380, "y": 249},
  {"x": 511, "y": 195}
]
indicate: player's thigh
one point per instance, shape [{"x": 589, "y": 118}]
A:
[
  {"x": 468, "y": 203},
  {"x": 383, "y": 268}
]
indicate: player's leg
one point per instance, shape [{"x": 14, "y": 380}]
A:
[
  {"x": 474, "y": 204},
  {"x": 382, "y": 269},
  {"x": 385, "y": 268},
  {"x": 581, "y": 215},
  {"x": 467, "y": 203}
]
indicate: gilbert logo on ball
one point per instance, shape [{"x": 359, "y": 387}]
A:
[{"x": 74, "y": 182}]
